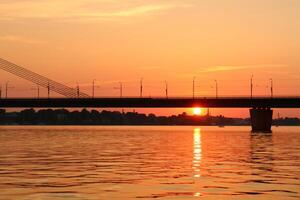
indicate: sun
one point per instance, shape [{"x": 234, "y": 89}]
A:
[{"x": 197, "y": 111}]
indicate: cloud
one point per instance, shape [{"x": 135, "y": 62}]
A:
[
  {"x": 20, "y": 39},
  {"x": 233, "y": 68},
  {"x": 82, "y": 10},
  {"x": 133, "y": 11}
]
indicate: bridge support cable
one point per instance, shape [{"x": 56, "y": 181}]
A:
[
  {"x": 40, "y": 80},
  {"x": 36, "y": 80}
]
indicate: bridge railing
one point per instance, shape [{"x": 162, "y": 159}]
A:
[{"x": 160, "y": 97}]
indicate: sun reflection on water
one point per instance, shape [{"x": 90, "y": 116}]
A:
[{"x": 197, "y": 152}]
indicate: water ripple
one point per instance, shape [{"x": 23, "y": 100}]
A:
[{"x": 148, "y": 162}]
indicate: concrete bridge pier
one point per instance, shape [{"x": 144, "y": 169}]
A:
[{"x": 261, "y": 119}]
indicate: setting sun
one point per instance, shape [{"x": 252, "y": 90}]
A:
[{"x": 197, "y": 111}]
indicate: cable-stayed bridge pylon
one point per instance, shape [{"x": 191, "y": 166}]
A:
[{"x": 40, "y": 80}]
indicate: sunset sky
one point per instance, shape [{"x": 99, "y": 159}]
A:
[{"x": 124, "y": 40}]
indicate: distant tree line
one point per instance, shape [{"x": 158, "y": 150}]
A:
[
  {"x": 95, "y": 117},
  {"x": 104, "y": 117}
]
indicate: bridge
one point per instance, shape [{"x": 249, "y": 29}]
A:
[
  {"x": 221, "y": 102},
  {"x": 260, "y": 108},
  {"x": 260, "y": 112}
]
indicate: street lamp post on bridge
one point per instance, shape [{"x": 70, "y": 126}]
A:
[
  {"x": 141, "y": 88},
  {"x": 271, "y": 87},
  {"x": 38, "y": 91},
  {"x": 217, "y": 89},
  {"x": 48, "y": 90},
  {"x": 194, "y": 79},
  {"x": 78, "y": 90},
  {"x": 120, "y": 88},
  {"x": 93, "y": 88},
  {"x": 167, "y": 89},
  {"x": 251, "y": 87}
]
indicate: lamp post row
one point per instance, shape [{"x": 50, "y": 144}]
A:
[{"x": 120, "y": 88}]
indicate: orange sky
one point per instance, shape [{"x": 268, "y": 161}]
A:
[{"x": 112, "y": 41}]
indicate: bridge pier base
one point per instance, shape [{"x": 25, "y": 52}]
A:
[{"x": 261, "y": 119}]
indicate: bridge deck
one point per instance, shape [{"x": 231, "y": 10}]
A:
[{"x": 228, "y": 102}]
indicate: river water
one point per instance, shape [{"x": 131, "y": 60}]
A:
[{"x": 92, "y": 163}]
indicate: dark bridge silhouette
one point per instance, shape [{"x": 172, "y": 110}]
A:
[
  {"x": 260, "y": 112},
  {"x": 228, "y": 102}
]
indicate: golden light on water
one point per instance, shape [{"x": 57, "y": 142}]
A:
[
  {"x": 197, "y": 152},
  {"x": 197, "y": 156}
]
